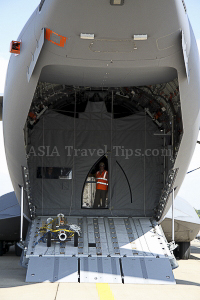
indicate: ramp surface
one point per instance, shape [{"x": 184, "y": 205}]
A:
[{"x": 113, "y": 250}]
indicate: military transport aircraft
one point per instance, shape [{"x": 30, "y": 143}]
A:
[{"x": 113, "y": 81}]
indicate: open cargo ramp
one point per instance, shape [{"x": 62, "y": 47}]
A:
[{"x": 110, "y": 249}]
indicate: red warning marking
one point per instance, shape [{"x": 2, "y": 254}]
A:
[{"x": 48, "y": 37}]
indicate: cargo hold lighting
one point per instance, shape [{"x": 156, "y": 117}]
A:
[
  {"x": 87, "y": 36},
  {"x": 140, "y": 37},
  {"x": 15, "y": 47},
  {"x": 116, "y": 2}
]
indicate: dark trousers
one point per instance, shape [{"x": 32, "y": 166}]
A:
[{"x": 100, "y": 194}]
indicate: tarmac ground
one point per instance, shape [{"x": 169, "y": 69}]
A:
[{"x": 13, "y": 285}]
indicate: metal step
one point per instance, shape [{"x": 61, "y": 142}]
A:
[{"x": 113, "y": 250}]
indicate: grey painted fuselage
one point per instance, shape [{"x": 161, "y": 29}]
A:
[
  {"x": 112, "y": 59},
  {"x": 187, "y": 222}
]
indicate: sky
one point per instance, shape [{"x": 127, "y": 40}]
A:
[{"x": 14, "y": 15}]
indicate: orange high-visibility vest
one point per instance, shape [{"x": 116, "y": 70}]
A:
[{"x": 102, "y": 181}]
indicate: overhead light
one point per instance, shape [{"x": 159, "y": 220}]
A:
[
  {"x": 116, "y": 2},
  {"x": 140, "y": 37},
  {"x": 87, "y": 36},
  {"x": 15, "y": 47}
]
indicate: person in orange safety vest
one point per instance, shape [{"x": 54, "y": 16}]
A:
[{"x": 101, "y": 186}]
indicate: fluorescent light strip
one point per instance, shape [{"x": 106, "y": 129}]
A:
[
  {"x": 140, "y": 37},
  {"x": 87, "y": 36},
  {"x": 116, "y": 2}
]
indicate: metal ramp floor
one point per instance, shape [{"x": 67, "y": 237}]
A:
[{"x": 110, "y": 249}]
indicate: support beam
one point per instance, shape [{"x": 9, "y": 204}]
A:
[
  {"x": 1, "y": 108},
  {"x": 173, "y": 215},
  {"x": 22, "y": 213}
]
